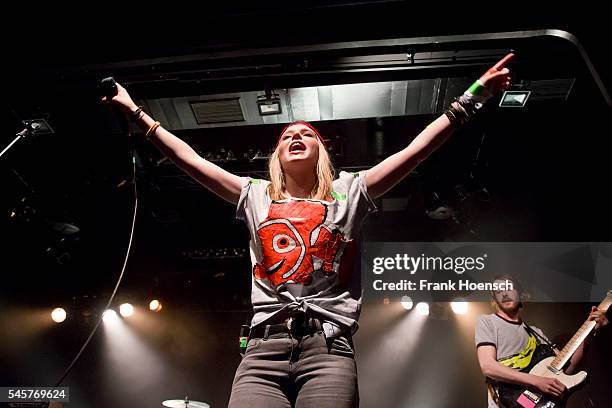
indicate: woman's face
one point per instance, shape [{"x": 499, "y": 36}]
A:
[{"x": 298, "y": 148}]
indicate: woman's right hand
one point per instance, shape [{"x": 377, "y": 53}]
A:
[{"x": 122, "y": 100}]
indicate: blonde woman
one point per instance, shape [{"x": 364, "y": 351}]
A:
[{"x": 303, "y": 224}]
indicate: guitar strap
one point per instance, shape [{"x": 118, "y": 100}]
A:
[{"x": 530, "y": 330}]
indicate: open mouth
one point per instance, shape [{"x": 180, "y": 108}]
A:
[{"x": 297, "y": 147}]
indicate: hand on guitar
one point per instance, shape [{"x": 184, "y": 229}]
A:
[
  {"x": 550, "y": 386},
  {"x": 599, "y": 316}
]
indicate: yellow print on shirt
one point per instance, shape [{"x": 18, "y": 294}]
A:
[{"x": 522, "y": 359}]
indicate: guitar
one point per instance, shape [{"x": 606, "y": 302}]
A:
[{"x": 544, "y": 363}]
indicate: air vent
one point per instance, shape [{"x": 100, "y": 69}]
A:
[
  {"x": 217, "y": 111},
  {"x": 548, "y": 89}
]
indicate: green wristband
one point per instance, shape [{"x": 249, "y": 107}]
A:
[
  {"x": 478, "y": 92},
  {"x": 477, "y": 88},
  {"x": 243, "y": 341}
]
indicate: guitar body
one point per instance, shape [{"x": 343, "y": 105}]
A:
[
  {"x": 517, "y": 396},
  {"x": 545, "y": 363}
]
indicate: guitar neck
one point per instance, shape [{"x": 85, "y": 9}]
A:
[{"x": 587, "y": 327}]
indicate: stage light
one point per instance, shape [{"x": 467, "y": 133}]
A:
[
  {"x": 460, "y": 306},
  {"x": 109, "y": 316},
  {"x": 514, "y": 99},
  {"x": 39, "y": 126},
  {"x": 126, "y": 310},
  {"x": 155, "y": 305},
  {"x": 269, "y": 104},
  {"x": 422, "y": 308},
  {"x": 407, "y": 302},
  {"x": 58, "y": 315}
]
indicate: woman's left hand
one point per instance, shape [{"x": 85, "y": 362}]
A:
[{"x": 497, "y": 78}]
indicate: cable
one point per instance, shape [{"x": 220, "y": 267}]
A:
[{"x": 110, "y": 300}]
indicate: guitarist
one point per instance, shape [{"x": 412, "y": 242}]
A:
[{"x": 505, "y": 345}]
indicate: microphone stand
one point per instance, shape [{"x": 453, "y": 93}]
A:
[{"x": 30, "y": 129}]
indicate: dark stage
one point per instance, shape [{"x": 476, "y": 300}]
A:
[{"x": 370, "y": 75}]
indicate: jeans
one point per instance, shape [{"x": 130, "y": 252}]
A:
[{"x": 285, "y": 371}]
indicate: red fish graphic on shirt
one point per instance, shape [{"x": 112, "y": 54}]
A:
[{"x": 295, "y": 241}]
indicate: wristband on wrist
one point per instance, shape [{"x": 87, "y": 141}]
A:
[
  {"x": 478, "y": 92},
  {"x": 462, "y": 110},
  {"x": 456, "y": 116}
]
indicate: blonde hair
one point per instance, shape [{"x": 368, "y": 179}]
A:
[{"x": 324, "y": 172}]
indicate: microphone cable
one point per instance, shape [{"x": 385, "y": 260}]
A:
[{"x": 118, "y": 283}]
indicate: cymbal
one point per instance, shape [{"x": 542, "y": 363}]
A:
[{"x": 181, "y": 403}]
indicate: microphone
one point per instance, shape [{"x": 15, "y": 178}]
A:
[{"x": 108, "y": 87}]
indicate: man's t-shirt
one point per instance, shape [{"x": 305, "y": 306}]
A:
[
  {"x": 514, "y": 345},
  {"x": 303, "y": 251}
]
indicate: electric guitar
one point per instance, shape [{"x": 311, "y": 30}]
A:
[{"x": 545, "y": 364}]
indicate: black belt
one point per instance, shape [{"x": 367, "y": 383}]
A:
[{"x": 298, "y": 326}]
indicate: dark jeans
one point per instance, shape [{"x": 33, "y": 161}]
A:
[{"x": 302, "y": 372}]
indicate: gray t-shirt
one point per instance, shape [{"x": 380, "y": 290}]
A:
[
  {"x": 303, "y": 251},
  {"x": 514, "y": 345}
]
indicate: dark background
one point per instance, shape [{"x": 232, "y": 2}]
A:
[{"x": 545, "y": 170}]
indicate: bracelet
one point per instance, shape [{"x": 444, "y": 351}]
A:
[
  {"x": 454, "y": 116},
  {"x": 137, "y": 114},
  {"x": 461, "y": 110},
  {"x": 469, "y": 105},
  {"x": 152, "y": 129},
  {"x": 460, "y": 107}
]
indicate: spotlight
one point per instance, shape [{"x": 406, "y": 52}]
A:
[
  {"x": 109, "y": 316},
  {"x": 155, "y": 305},
  {"x": 269, "y": 104},
  {"x": 459, "y": 306},
  {"x": 406, "y": 302},
  {"x": 39, "y": 126},
  {"x": 126, "y": 310},
  {"x": 514, "y": 99},
  {"x": 422, "y": 308},
  {"x": 58, "y": 315}
]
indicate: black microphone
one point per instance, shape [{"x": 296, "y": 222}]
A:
[{"x": 108, "y": 87}]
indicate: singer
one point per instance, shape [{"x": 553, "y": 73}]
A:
[{"x": 303, "y": 224}]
